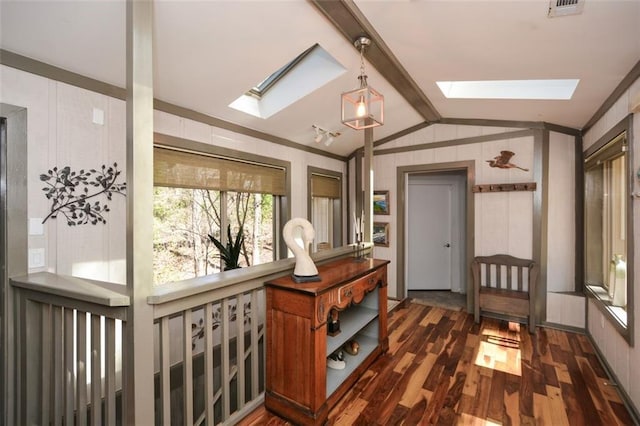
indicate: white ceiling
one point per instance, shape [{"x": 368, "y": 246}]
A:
[{"x": 207, "y": 53}]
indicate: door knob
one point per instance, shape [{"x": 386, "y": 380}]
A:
[{"x": 447, "y": 245}]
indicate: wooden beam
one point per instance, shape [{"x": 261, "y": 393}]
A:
[{"x": 352, "y": 23}]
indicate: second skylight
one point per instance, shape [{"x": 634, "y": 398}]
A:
[{"x": 509, "y": 89}]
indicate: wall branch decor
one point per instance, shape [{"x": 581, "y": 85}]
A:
[{"x": 69, "y": 192}]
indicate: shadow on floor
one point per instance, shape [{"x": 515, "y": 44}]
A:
[{"x": 443, "y": 299}]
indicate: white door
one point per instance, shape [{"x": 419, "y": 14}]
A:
[{"x": 429, "y": 236}]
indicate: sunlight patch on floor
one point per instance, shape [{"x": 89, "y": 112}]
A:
[
  {"x": 500, "y": 351},
  {"x": 469, "y": 420}
]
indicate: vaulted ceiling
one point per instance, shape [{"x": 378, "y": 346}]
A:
[{"x": 207, "y": 53}]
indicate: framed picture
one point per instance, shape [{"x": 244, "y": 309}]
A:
[
  {"x": 381, "y": 234},
  {"x": 380, "y": 202}
]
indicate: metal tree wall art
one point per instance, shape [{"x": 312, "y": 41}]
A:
[{"x": 70, "y": 193}]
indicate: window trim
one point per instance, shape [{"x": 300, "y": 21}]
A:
[
  {"x": 261, "y": 89},
  {"x": 338, "y": 206},
  {"x": 625, "y": 125},
  {"x": 282, "y": 209}
]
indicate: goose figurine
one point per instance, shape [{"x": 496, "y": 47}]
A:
[{"x": 305, "y": 270}]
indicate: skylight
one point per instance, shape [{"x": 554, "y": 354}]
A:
[
  {"x": 509, "y": 89},
  {"x": 260, "y": 89},
  {"x": 307, "y": 72}
]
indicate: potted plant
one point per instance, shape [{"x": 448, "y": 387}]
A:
[{"x": 230, "y": 254}]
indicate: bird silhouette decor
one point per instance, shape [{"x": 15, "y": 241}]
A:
[{"x": 502, "y": 161}]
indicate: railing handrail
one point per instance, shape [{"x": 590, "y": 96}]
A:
[
  {"x": 68, "y": 347},
  {"x": 252, "y": 277},
  {"x": 81, "y": 289}
]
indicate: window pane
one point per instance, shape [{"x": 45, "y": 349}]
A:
[
  {"x": 183, "y": 218},
  {"x": 254, "y": 214},
  {"x": 594, "y": 209},
  {"x": 322, "y": 220},
  {"x": 606, "y": 227},
  {"x": 617, "y": 280}
]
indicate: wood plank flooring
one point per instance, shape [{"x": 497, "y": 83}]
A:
[{"x": 442, "y": 368}]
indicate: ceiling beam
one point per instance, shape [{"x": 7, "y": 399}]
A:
[{"x": 351, "y": 23}]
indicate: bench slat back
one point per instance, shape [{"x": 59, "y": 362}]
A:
[{"x": 504, "y": 272}]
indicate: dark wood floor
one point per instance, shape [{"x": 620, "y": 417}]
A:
[{"x": 442, "y": 368}]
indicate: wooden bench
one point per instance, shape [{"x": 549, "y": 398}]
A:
[{"x": 505, "y": 285}]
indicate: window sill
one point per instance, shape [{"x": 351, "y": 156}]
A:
[
  {"x": 615, "y": 314},
  {"x": 252, "y": 276}
]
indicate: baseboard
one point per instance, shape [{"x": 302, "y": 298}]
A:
[
  {"x": 563, "y": 327},
  {"x": 403, "y": 304},
  {"x": 613, "y": 378}
]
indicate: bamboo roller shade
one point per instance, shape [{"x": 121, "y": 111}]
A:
[
  {"x": 180, "y": 169},
  {"x": 325, "y": 186}
]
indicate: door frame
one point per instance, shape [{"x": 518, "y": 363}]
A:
[
  {"x": 402, "y": 174},
  {"x": 13, "y": 233}
]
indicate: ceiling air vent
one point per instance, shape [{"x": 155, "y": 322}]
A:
[{"x": 565, "y": 7}]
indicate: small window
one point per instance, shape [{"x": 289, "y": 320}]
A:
[
  {"x": 608, "y": 237},
  {"x": 325, "y": 208}
]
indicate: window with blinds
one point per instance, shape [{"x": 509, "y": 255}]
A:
[
  {"x": 325, "y": 207},
  {"x": 608, "y": 230},
  {"x": 325, "y": 186},
  {"x": 179, "y": 169},
  {"x": 200, "y": 197}
]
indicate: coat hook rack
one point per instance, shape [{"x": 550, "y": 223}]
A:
[{"x": 504, "y": 187}]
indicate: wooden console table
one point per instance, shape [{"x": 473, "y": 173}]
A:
[{"x": 299, "y": 386}]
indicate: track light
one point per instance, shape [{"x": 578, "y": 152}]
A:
[{"x": 322, "y": 133}]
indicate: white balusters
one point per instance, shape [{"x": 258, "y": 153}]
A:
[
  {"x": 165, "y": 371},
  {"x": 187, "y": 369},
  {"x": 208, "y": 364}
]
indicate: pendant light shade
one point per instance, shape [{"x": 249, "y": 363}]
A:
[{"x": 364, "y": 106}]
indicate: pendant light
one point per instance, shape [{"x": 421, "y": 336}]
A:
[{"x": 364, "y": 106}]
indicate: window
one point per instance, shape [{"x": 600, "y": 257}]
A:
[
  {"x": 608, "y": 233},
  {"x": 300, "y": 76},
  {"x": 197, "y": 194},
  {"x": 509, "y": 89},
  {"x": 325, "y": 207},
  {"x": 260, "y": 89},
  {"x": 254, "y": 213}
]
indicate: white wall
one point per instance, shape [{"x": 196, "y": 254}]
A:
[
  {"x": 196, "y": 131},
  {"x": 503, "y": 221},
  {"x": 561, "y": 213},
  {"x": 61, "y": 133},
  {"x": 622, "y": 358},
  {"x": 562, "y": 308}
]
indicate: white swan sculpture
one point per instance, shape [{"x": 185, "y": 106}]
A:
[{"x": 305, "y": 270}]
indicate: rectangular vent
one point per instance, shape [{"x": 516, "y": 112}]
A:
[{"x": 565, "y": 7}]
